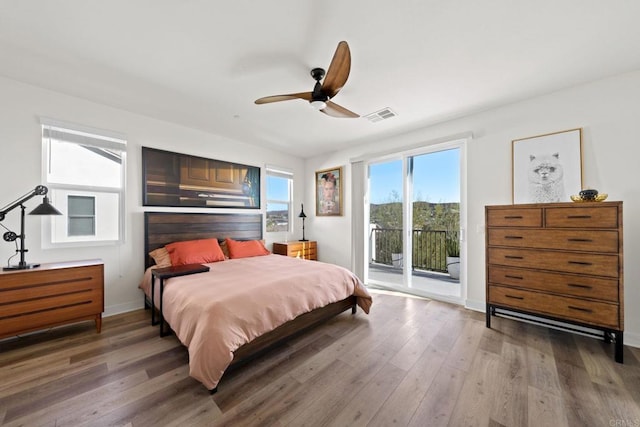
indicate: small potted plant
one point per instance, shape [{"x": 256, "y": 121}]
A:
[
  {"x": 396, "y": 251},
  {"x": 452, "y": 246}
]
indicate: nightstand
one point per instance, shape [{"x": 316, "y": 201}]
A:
[
  {"x": 167, "y": 273},
  {"x": 297, "y": 249}
]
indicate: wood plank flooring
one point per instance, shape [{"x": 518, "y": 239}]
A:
[{"x": 411, "y": 362}]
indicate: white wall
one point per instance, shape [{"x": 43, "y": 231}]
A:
[
  {"x": 606, "y": 110},
  {"x": 21, "y": 106}
]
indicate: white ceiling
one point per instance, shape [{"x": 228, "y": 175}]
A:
[{"x": 202, "y": 63}]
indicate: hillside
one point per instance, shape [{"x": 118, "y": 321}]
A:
[{"x": 426, "y": 215}]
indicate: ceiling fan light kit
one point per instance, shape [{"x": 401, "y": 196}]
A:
[
  {"x": 334, "y": 80},
  {"x": 318, "y": 105}
]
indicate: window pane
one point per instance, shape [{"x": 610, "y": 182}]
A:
[
  {"x": 81, "y": 206},
  {"x": 277, "y": 188},
  {"x": 436, "y": 178},
  {"x": 79, "y": 164},
  {"x": 277, "y": 217},
  {"x": 84, "y": 171},
  {"x": 82, "y": 226},
  {"x": 385, "y": 213},
  {"x": 278, "y": 201}
]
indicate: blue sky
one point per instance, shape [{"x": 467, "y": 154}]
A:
[
  {"x": 436, "y": 178},
  {"x": 277, "y": 189}
]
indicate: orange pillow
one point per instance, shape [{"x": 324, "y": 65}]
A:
[
  {"x": 245, "y": 249},
  {"x": 195, "y": 251}
]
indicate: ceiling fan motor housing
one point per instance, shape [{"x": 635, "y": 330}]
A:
[
  {"x": 317, "y": 74},
  {"x": 318, "y": 94}
]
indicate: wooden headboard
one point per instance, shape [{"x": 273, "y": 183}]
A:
[{"x": 161, "y": 228}]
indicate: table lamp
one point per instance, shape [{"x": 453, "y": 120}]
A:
[
  {"x": 45, "y": 208},
  {"x": 303, "y": 216}
]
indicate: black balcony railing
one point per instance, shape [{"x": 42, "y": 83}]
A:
[{"x": 429, "y": 249}]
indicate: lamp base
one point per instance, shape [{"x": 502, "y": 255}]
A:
[
  {"x": 303, "y": 240},
  {"x": 20, "y": 267}
]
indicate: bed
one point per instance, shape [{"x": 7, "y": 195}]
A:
[{"x": 309, "y": 293}]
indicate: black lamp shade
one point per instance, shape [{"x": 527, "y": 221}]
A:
[
  {"x": 301, "y": 214},
  {"x": 45, "y": 208}
]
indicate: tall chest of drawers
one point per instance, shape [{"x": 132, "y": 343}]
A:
[{"x": 558, "y": 261}]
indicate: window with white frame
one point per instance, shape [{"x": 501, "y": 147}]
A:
[
  {"x": 85, "y": 172},
  {"x": 279, "y": 198}
]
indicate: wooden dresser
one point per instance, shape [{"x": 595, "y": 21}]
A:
[
  {"x": 559, "y": 261},
  {"x": 298, "y": 249},
  {"x": 51, "y": 295}
]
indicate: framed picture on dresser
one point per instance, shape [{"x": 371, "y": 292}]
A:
[{"x": 547, "y": 168}]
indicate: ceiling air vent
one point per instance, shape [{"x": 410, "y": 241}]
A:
[{"x": 385, "y": 113}]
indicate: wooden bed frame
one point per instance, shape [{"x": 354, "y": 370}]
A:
[{"x": 161, "y": 228}]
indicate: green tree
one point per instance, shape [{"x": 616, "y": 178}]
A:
[
  {"x": 389, "y": 213},
  {"x": 428, "y": 217}
]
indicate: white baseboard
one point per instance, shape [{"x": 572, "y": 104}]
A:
[
  {"x": 480, "y": 306},
  {"x": 122, "y": 308},
  {"x": 632, "y": 339}
]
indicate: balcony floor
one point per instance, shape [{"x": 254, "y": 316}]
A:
[{"x": 427, "y": 282}]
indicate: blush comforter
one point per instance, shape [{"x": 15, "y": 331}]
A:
[{"x": 238, "y": 300}]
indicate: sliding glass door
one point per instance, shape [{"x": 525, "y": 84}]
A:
[
  {"x": 414, "y": 222},
  {"x": 435, "y": 206},
  {"x": 386, "y": 222}
]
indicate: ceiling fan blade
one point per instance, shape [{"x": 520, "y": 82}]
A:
[
  {"x": 338, "y": 72},
  {"x": 334, "y": 110},
  {"x": 307, "y": 96}
]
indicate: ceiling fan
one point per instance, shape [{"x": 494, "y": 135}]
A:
[{"x": 334, "y": 80}]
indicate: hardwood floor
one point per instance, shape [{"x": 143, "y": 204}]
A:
[{"x": 411, "y": 362}]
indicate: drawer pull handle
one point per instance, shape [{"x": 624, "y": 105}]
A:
[
  {"x": 513, "y": 217},
  {"x": 580, "y": 262},
  {"x": 575, "y": 285},
  {"x": 508, "y": 276},
  {"x": 513, "y": 297},
  {"x": 579, "y": 240},
  {"x": 579, "y": 216},
  {"x": 513, "y": 237},
  {"x": 513, "y": 257},
  {"x": 586, "y": 310}
]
